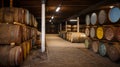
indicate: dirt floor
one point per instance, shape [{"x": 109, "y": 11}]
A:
[{"x": 61, "y": 53}]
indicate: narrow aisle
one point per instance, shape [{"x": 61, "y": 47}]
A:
[{"x": 62, "y": 53}]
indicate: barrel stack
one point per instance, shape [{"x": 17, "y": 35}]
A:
[
  {"x": 102, "y": 29},
  {"x": 17, "y": 33}
]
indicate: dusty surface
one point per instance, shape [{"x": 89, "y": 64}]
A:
[{"x": 61, "y": 53}]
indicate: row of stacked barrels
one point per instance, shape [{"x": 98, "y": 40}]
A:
[
  {"x": 75, "y": 37},
  {"x": 17, "y": 35},
  {"x": 103, "y": 30},
  {"x": 17, "y": 15},
  {"x": 71, "y": 28}
]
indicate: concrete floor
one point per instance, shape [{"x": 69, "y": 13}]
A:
[{"x": 61, "y": 53}]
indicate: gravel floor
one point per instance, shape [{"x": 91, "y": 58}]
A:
[{"x": 61, "y": 53}]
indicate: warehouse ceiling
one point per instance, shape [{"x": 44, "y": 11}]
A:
[{"x": 68, "y": 7}]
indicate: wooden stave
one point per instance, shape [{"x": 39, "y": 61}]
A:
[{"x": 18, "y": 55}]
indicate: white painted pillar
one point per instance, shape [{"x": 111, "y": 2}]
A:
[
  {"x": 60, "y": 27},
  {"x": 43, "y": 27},
  {"x": 78, "y": 26},
  {"x": 66, "y": 26}
]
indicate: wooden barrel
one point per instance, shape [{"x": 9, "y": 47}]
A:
[
  {"x": 33, "y": 32},
  {"x": 114, "y": 51},
  {"x": 100, "y": 32},
  {"x": 88, "y": 42},
  {"x": 39, "y": 35},
  {"x": 95, "y": 46},
  {"x": 82, "y": 37},
  {"x": 92, "y": 32},
  {"x": 103, "y": 48},
  {"x": 11, "y": 15},
  {"x": 16, "y": 15},
  {"x": 10, "y": 34},
  {"x": 28, "y": 45},
  {"x": 114, "y": 14},
  {"x": 110, "y": 33},
  {"x": 35, "y": 23},
  {"x": 16, "y": 56},
  {"x": 28, "y": 33},
  {"x": 27, "y": 17},
  {"x": 102, "y": 17},
  {"x": 87, "y": 31},
  {"x": 8, "y": 15},
  {"x": 24, "y": 33},
  {"x": 1, "y": 15},
  {"x": 4, "y": 55},
  {"x": 74, "y": 37},
  {"x": 34, "y": 40},
  {"x": 77, "y": 37},
  {"x": 87, "y": 20},
  {"x": 38, "y": 43},
  {"x": 11, "y": 56},
  {"x": 24, "y": 46},
  {"x": 94, "y": 18},
  {"x": 31, "y": 20},
  {"x": 117, "y": 35}
]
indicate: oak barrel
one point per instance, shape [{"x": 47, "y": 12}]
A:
[
  {"x": 95, "y": 46},
  {"x": 27, "y": 17},
  {"x": 103, "y": 48},
  {"x": 24, "y": 46},
  {"x": 114, "y": 14},
  {"x": 4, "y": 55},
  {"x": 93, "y": 18},
  {"x": 87, "y": 20},
  {"x": 114, "y": 51},
  {"x": 93, "y": 32},
  {"x": 11, "y": 56},
  {"x": 88, "y": 43},
  {"x": 110, "y": 33},
  {"x": 28, "y": 45},
  {"x": 100, "y": 32},
  {"x": 102, "y": 17},
  {"x": 10, "y": 34},
  {"x": 77, "y": 37},
  {"x": 87, "y": 31},
  {"x": 16, "y": 56},
  {"x": 117, "y": 35}
]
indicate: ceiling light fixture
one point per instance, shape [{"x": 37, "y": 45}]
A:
[
  {"x": 52, "y": 17},
  {"x": 50, "y": 20},
  {"x": 58, "y": 8},
  {"x": 72, "y": 20},
  {"x": 111, "y": 6}
]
